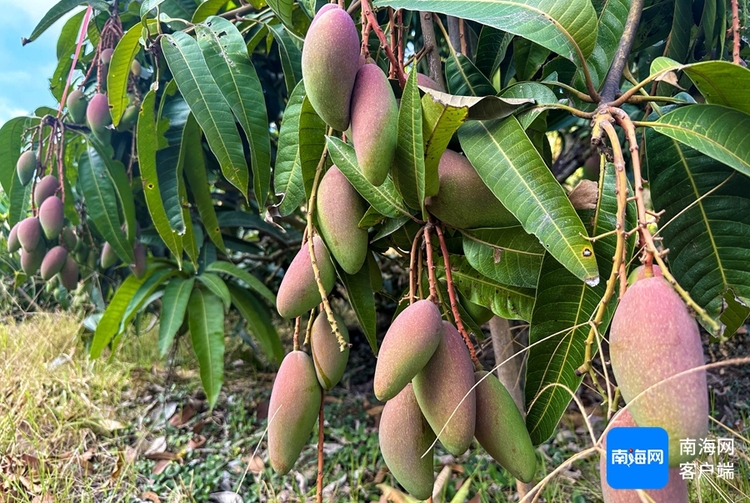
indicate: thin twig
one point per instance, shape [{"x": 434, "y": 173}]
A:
[
  {"x": 373, "y": 21},
  {"x": 612, "y": 83},
  {"x": 736, "y": 33},
  {"x": 453, "y": 298},
  {"x": 295, "y": 340},
  {"x": 430, "y": 265},
  {"x": 413, "y": 265},
  {"x": 319, "y": 485}
]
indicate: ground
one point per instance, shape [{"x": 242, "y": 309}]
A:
[{"x": 136, "y": 428}]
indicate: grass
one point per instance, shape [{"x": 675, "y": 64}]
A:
[{"x": 72, "y": 429}]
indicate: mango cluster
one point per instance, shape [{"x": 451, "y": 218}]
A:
[
  {"x": 298, "y": 390},
  {"x": 45, "y": 244},
  {"x": 354, "y": 96},
  {"x": 426, "y": 376},
  {"x": 653, "y": 340}
]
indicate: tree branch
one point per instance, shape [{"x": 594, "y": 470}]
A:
[
  {"x": 612, "y": 83},
  {"x": 433, "y": 56}
]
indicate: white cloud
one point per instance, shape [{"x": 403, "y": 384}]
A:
[{"x": 9, "y": 110}]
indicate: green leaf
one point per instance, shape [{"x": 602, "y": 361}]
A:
[
  {"x": 716, "y": 131},
  {"x": 291, "y": 56},
  {"x": 734, "y": 315},
  {"x": 408, "y": 170},
  {"x": 539, "y": 93},
  {"x": 11, "y": 134},
  {"x": 251, "y": 281},
  {"x": 226, "y": 55},
  {"x": 385, "y": 198},
  {"x": 173, "y": 308},
  {"x": 559, "y": 323},
  {"x": 214, "y": 283},
  {"x": 312, "y": 142},
  {"x": 511, "y": 167},
  {"x": 491, "y": 49},
  {"x": 99, "y": 192},
  {"x": 721, "y": 83},
  {"x": 465, "y": 79},
  {"x": 529, "y": 58},
  {"x": 508, "y": 255},
  {"x": 59, "y": 10},
  {"x": 567, "y": 28},
  {"x": 612, "y": 15},
  {"x": 195, "y": 172},
  {"x": 287, "y": 174},
  {"x": 173, "y": 116},
  {"x": 440, "y": 122},
  {"x": 147, "y": 143},
  {"x": 68, "y": 38},
  {"x": 109, "y": 325},
  {"x": 362, "y": 299},
  {"x": 207, "y": 9},
  {"x": 678, "y": 47},
  {"x": 206, "y": 322},
  {"x": 511, "y": 302},
  {"x": 259, "y": 322},
  {"x": 118, "y": 74},
  {"x": 144, "y": 293},
  {"x": 283, "y": 9},
  {"x": 705, "y": 229},
  {"x": 149, "y": 5},
  {"x": 212, "y": 112}
]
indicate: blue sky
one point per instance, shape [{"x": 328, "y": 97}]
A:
[{"x": 24, "y": 79}]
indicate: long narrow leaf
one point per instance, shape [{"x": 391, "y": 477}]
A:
[
  {"x": 226, "y": 55},
  {"x": 206, "y": 322},
  {"x": 59, "y": 10},
  {"x": 118, "y": 73},
  {"x": 252, "y": 282},
  {"x": 210, "y": 109},
  {"x": 10, "y": 150},
  {"x": 259, "y": 322},
  {"x": 408, "y": 170},
  {"x": 173, "y": 308}
]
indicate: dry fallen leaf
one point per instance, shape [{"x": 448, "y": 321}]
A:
[
  {"x": 159, "y": 444},
  {"x": 151, "y": 496},
  {"x": 183, "y": 416},
  {"x": 160, "y": 466}
]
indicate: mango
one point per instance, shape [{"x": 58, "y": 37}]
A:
[
  {"x": 13, "y": 243},
  {"x": 408, "y": 345},
  {"x": 135, "y": 68},
  {"x": 640, "y": 273},
  {"x": 374, "y": 123},
  {"x": 298, "y": 291},
  {"x": 77, "y": 104},
  {"x": 29, "y": 233},
  {"x": 129, "y": 118},
  {"x": 108, "y": 257},
  {"x": 106, "y": 56},
  {"x": 69, "y": 274},
  {"x": 138, "y": 267},
  {"x": 30, "y": 261},
  {"x": 676, "y": 490},
  {"x": 47, "y": 187},
  {"x": 330, "y": 61},
  {"x": 97, "y": 113},
  {"x": 444, "y": 392},
  {"x": 405, "y": 435},
  {"x": 292, "y": 410},
  {"x": 479, "y": 314},
  {"x": 425, "y": 81},
  {"x": 330, "y": 361},
  {"x": 463, "y": 200},
  {"x": 501, "y": 429},
  {"x": 26, "y": 167},
  {"x": 652, "y": 338},
  {"x": 339, "y": 210},
  {"x": 53, "y": 262},
  {"x": 69, "y": 238},
  {"x": 51, "y": 217}
]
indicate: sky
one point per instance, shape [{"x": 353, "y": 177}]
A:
[{"x": 24, "y": 79}]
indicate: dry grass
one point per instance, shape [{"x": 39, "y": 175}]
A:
[{"x": 55, "y": 409}]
